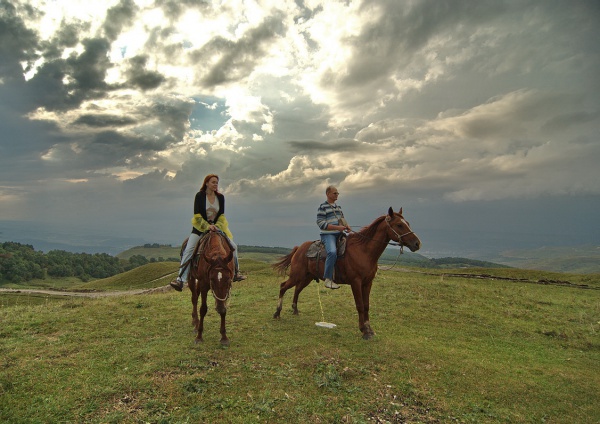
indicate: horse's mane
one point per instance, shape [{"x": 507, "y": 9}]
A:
[
  {"x": 217, "y": 248},
  {"x": 366, "y": 234}
]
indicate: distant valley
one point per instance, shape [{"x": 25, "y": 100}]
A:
[
  {"x": 486, "y": 248},
  {"x": 581, "y": 259}
]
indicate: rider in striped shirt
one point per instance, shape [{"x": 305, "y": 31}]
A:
[{"x": 332, "y": 223}]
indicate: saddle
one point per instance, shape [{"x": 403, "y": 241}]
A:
[{"x": 317, "y": 249}]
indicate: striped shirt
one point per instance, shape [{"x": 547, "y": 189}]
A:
[{"x": 328, "y": 214}]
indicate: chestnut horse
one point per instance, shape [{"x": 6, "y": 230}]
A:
[
  {"x": 357, "y": 267},
  {"x": 212, "y": 270}
]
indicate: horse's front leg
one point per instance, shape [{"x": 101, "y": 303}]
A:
[
  {"x": 358, "y": 300},
  {"x": 194, "y": 289},
  {"x": 222, "y": 310},
  {"x": 368, "y": 332},
  {"x": 203, "y": 310}
]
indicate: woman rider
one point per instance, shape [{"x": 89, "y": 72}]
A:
[{"x": 209, "y": 210}]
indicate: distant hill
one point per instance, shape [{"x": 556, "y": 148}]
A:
[
  {"x": 390, "y": 256},
  {"x": 271, "y": 254},
  {"x": 162, "y": 252},
  {"x": 155, "y": 251},
  {"x": 575, "y": 259}
]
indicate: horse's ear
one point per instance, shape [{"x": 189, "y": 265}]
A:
[
  {"x": 400, "y": 211},
  {"x": 229, "y": 257},
  {"x": 391, "y": 212},
  {"x": 204, "y": 253}
]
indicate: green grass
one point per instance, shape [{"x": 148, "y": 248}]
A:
[
  {"x": 447, "y": 349},
  {"x": 151, "y": 275}
]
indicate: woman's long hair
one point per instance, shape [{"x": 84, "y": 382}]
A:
[{"x": 206, "y": 180}]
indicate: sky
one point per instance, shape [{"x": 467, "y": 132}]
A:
[{"x": 481, "y": 119}]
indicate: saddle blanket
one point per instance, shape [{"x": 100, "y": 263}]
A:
[{"x": 317, "y": 249}]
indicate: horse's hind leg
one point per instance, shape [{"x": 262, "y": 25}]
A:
[
  {"x": 283, "y": 288},
  {"x": 297, "y": 291}
]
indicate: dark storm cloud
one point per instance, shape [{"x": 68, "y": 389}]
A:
[
  {"x": 310, "y": 146},
  {"x": 565, "y": 121},
  {"x": 63, "y": 84},
  {"x": 173, "y": 9},
  {"x": 66, "y": 36},
  {"x": 138, "y": 76},
  {"x": 387, "y": 45},
  {"x": 89, "y": 68},
  {"x": 124, "y": 146},
  {"x": 237, "y": 59},
  {"x": 174, "y": 115},
  {"x": 111, "y": 148},
  {"x": 21, "y": 142},
  {"x": 17, "y": 42},
  {"x": 151, "y": 129},
  {"x": 104, "y": 120},
  {"x": 119, "y": 17}
]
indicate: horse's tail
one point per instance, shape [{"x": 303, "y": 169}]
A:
[{"x": 284, "y": 262}]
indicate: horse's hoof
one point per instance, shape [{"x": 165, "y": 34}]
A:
[
  {"x": 276, "y": 315},
  {"x": 367, "y": 336},
  {"x": 197, "y": 341},
  {"x": 225, "y": 343}
]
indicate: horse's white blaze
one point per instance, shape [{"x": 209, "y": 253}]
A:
[{"x": 219, "y": 276}]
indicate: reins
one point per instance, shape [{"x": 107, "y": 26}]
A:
[
  {"x": 399, "y": 236},
  {"x": 212, "y": 291}
]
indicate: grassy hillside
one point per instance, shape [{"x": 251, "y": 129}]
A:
[
  {"x": 154, "y": 274},
  {"x": 448, "y": 349},
  {"x": 163, "y": 251},
  {"x": 578, "y": 259}
]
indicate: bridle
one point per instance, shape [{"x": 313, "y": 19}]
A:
[
  {"x": 212, "y": 291},
  {"x": 399, "y": 242},
  {"x": 220, "y": 268},
  {"x": 391, "y": 242}
]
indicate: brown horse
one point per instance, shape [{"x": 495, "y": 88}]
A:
[
  {"x": 357, "y": 267},
  {"x": 213, "y": 270}
]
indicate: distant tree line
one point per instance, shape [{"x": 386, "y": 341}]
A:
[
  {"x": 417, "y": 260},
  {"x": 263, "y": 249},
  {"x": 21, "y": 262}
]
